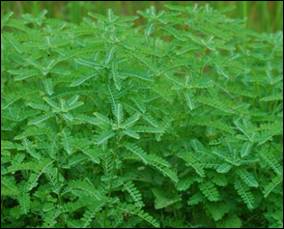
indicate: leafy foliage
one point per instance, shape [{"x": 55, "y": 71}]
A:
[{"x": 173, "y": 123}]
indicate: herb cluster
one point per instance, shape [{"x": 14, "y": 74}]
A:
[{"x": 175, "y": 122}]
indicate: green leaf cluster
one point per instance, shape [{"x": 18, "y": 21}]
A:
[{"x": 176, "y": 122}]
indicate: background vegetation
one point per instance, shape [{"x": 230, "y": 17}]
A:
[{"x": 265, "y": 16}]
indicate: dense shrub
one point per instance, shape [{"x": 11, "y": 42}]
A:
[{"x": 175, "y": 122}]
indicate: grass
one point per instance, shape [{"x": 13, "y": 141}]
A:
[{"x": 264, "y": 16}]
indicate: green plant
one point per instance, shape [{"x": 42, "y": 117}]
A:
[{"x": 174, "y": 123}]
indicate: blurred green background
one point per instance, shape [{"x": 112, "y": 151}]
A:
[{"x": 264, "y": 16}]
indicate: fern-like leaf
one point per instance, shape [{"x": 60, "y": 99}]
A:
[
  {"x": 159, "y": 164},
  {"x": 87, "y": 188},
  {"x": 25, "y": 202},
  {"x": 90, "y": 214},
  {"x": 66, "y": 142},
  {"x": 139, "y": 152},
  {"x": 248, "y": 178},
  {"x": 193, "y": 162},
  {"x": 134, "y": 193},
  {"x": 131, "y": 121},
  {"x": 245, "y": 194},
  {"x": 133, "y": 210},
  {"x": 272, "y": 185},
  {"x": 131, "y": 133},
  {"x": 268, "y": 157},
  {"x": 103, "y": 137},
  {"x": 210, "y": 191}
]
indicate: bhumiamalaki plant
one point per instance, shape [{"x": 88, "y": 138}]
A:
[{"x": 175, "y": 122}]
